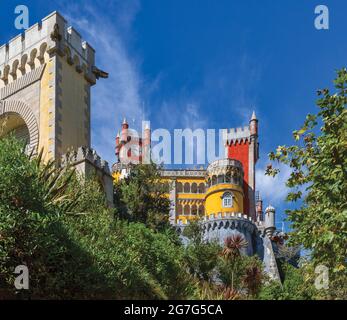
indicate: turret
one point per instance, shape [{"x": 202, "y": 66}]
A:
[
  {"x": 253, "y": 125},
  {"x": 124, "y": 133},
  {"x": 117, "y": 143},
  {"x": 259, "y": 207},
  {"x": 146, "y": 143},
  {"x": 270, "y": 220}
]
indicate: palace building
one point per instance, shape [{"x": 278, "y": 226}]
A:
[
  {"x": 225, "y": 186},
  {"x": 46, "y": 74},
  {"x": 221, "y": 196}
]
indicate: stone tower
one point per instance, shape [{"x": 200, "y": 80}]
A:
[{"x": 45, "y": 79}]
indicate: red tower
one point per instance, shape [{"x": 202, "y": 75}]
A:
[
  {"x": 242, "y": 144},
  {"x": 130, "y": 147}
]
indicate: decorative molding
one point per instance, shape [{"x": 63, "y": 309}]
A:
[
  {"x": 22, "y": 82},
  {"x": 183, "y": 173},
  {"x": 24, "y": 111}
]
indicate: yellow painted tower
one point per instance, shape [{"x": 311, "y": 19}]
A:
[
  {"x": 45, "y": 79},
  {"x": 212, "y": 192}
]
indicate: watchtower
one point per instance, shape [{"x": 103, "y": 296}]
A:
[{"x": 45, "y": 78}]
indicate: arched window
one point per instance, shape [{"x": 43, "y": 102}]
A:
[
  {"x": 194, "y": 188},
  {"x": 187, "y": 210},
  {"x": 186, "y": 187},
  {"x": 179, "y": 209},
  {"x": 227, "y": 200},
  {"x": 179, "y": 187},
  {"x": 194, "y": 210},
  {"x": 201, "y": 188},
  {"x": 214, "y": 180},
  {"x": 201, "y": 210},
  {"x": 221, "y": 178}
]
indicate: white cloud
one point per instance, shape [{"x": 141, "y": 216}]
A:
[
  {"x": 272, "y": 190},
  {"x": 118, "y": 96}
]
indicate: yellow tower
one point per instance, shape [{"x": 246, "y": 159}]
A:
[
  {"x": 45, "y": 79},
  {"x": 224, "y": 192}
]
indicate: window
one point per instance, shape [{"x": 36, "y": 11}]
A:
[
  {"x": 227, "y": 200},
  {"x": 201, "y": 210},
  {"x": 179, "y": 209},
  {"x": 179, "y": 187},
  {"x": 220, "y": 179}
]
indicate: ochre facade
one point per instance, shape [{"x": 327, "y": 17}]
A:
[
  {"x": 224, "y": 187},
  {"x": 45, "y": 79}
]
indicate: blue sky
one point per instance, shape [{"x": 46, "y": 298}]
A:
[{"x": 204, "y": 64}]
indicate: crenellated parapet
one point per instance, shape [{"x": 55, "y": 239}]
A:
[
  {"x": 86, "y": 154},
  {"x": 226, "y": 220},
  {"x": 217, "y": 227},
  {"x": 237, "y": 135},
  {"x": 52, "y": 35},
  {"x": 89, "y": 165}
]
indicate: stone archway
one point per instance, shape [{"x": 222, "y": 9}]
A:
[{"x": 22, "y": 118}]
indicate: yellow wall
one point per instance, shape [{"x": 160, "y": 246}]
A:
[
  {"x": 185, "y": 219},
  {"x": 74, "y": 108},
  {"x": 72, "y": 118},
  {"x": 46, "y": 103},
  {"x": 191, "y": 180},
  {"x": 213, "y": 200}
]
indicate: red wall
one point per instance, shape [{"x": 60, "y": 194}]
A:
[{"x": 240, "y": 151}]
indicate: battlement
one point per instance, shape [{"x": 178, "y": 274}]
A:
[
  {"x": 50, "y": 36},
  {"x": 239, "y": 134},
  {"x": 225, "y": 221},
  {"x": 86, "y": 154}
]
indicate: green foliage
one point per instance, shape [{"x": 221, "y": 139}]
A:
[
  {"x": 242, "y": 275},
  {"x": 318, "y": 161},
  {"x": 294, "y": 286},
  {"x": 201, "y": 256},
  {"x": 143, "y": 196},
  {"x": 239, "y": 276},
  {"x": 78, "y": 250},
  {"x": 138, "y": 262},
  {"x": 31, "y": 185}
]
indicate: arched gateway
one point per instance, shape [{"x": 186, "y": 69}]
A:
[{"x": 17, "y": 118}]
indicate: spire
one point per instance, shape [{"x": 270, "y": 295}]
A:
[
  {"x": 253, "y": 116},
  {"x": 270, "y": 208},
  {"x": 118, "y": 135},
  {"x": 125, "y": 121}
]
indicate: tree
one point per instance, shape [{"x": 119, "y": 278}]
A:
[
  {"x": 239, "y": 273},
  {"x": 294, "y": 286},
  {"x": 319, "y": 178},
  {"x": 78, "y": 251},
  {"x": 200, "y": 255},
  {"x": 143, "y": 196}
]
